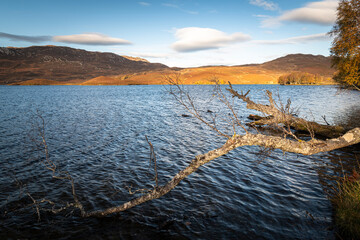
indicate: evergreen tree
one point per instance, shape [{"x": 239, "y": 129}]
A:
[{"x": 346, "y": 44}]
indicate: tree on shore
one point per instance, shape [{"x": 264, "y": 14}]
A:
[
  {"x": 345, "y": 48},
  {"x": 276, "y": 116},
  {"x": 301, "y": 78}
]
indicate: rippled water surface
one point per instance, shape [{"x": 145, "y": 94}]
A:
[{"x": 97, "y": 133}]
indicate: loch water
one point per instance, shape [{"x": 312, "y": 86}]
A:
[{"x": 97, "y": 134}]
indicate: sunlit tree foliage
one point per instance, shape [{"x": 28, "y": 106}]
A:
[{"x": 346, "y": 44}]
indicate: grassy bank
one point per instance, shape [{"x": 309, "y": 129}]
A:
[{"x": 346, "y": 200}]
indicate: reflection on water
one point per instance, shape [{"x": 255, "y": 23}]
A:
[
  {"x": 97, "y": 134},
  {"x": 351, "y": 117}
]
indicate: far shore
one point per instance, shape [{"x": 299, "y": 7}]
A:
[
  {"x": 186, "y": 78},
  {"x": 205, "y": 84}
]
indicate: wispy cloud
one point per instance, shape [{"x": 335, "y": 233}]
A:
[
  {"x": 321, "y": 12},
  {"x": 261, "y": 16},
  {"x": 170, "y": 5},
  {"x": 193, "y": 39},
  {"x": 296, "y": 40},
  {"x": 23, "y": 38},
  {"x": 267, "y": 5},
  {"x": 85, "y": 39},
  {"x": 146, "y": 4},
  {"x": 91, "y": 39},
  {"x": 150, "y": 55}
]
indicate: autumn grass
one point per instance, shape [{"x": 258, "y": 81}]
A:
[{"x": 346, "y": 202}]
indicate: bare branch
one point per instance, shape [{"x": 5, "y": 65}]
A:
[
  {"x": 56, "y": 172},
  {"x": 184, "y": 98},
  {"x": 355, "y": 87},
  {"x": 153, "y": 158},
  {"x": 41, "y": 131},
  {"x": 222, "y": 97},
  {"x": 324, "y": 118},
  {"x": 36, "y": 204}
]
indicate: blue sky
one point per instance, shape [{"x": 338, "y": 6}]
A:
[{"x": 180, "y": 33}]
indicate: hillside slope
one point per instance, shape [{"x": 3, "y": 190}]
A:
[
  {"x": 64, "y": 64},
  {"x": 315, "y": 64}
]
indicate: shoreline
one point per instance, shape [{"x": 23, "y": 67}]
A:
[{"x": 326, "y": 84}]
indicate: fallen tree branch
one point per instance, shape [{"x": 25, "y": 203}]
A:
[
  {"x": 277, "y": 116},
  {"x": 293, "y": 145},
  {"x": 310, "y": 147}
]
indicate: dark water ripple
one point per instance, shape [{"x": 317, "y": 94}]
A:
[{"x": 98, "y": 135}]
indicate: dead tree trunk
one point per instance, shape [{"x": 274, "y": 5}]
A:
[{"x": 282, "y": 116}]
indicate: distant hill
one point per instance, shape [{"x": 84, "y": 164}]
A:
[
  {"x": 315, "y": 64},
  {"x": 38, "y": 81},
  {"x": 64, "y": 64},
  {"x": 52, "y": 65}
]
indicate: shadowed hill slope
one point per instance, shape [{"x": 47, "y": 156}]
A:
[{"x": 64, "y": 64}]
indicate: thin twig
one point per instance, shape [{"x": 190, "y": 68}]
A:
[{"x": 153, "y": 158}]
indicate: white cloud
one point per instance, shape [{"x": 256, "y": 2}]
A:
[
  {"x": 144, "y": 4},
  {"x": 267, "y": 5},
  {"x": 193, "y": 39},
  {"x": 295, "y": 40},
  {"x": 90, "y": 39},
  {"x": 322, "y": 13}
]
